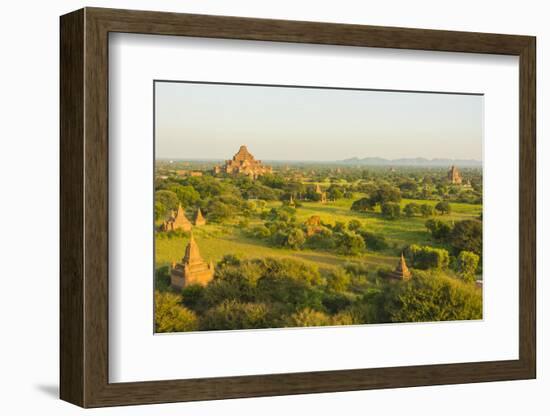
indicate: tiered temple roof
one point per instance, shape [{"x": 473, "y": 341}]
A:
[
  {"x": 243, "y": 163},
  {"x": 192, "y": 269}
]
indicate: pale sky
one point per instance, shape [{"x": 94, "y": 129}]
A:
[{"x": 211, "y": 121}]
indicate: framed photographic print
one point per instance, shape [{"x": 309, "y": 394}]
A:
[{"x": 255, "y": 207}]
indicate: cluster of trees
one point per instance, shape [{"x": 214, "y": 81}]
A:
[
  {"x": 269, "y": 293},
  {"x": 219, "y": 200},
  {"x": 282, "y": 229},
  {"x": 460, "y": 236},
  {"x": 388, "y": 198},
  {"x": 466, "y": 263}
]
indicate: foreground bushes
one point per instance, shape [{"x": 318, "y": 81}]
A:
[
  {"x": 271, "y": 293},
  {"x": 432, "y": 297},
  {"x": 171, "y": 316}
]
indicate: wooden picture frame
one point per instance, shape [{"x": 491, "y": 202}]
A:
[{"x": 84, "y": 207}]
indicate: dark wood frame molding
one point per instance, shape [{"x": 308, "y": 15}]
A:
[{"x": 84, "y": 207}]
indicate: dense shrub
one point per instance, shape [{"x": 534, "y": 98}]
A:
[
  {"x": 171, "y": 316},
  {"x": 324, "y": 240},
  {"x": 467, "y": 236},
  {"x": 391, "y": 210},
  {"x": 467, "y": 263},
  {"x": 440, "y": 230},
  {"x": 432, "y": 297},
  {"x": 308, "y": 317},
  {"x": 363, "y": 204},
  {"x": 375, "y": 242},
  {"x": 231, "y": 314},
  {"x": 411, "y": 209},
  {"x": 350, "y": 243},
  {"x": 426, "y": 257},
  {"x": 426, "y": 210},
  {"x": 443, "y": 207}
]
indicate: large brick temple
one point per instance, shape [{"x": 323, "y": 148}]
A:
[{"x": 243, "y": 163}]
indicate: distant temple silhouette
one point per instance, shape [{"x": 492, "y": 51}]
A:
[
  {"x": 243, "y": 163},
  {"x": 322, "y": 195},
  {"x": 453, "y": 175},
  {"x": 192, "y": 269}
]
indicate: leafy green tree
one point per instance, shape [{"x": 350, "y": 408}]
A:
[
  {"x": 168, "y": 199},
  {"x": 426, "y": 257},
  {"x": 335, "y": 192},
  {"x": 186, "y": 194},
  {"x": 426, "y": 210},
  {"x": 218, "y": 211},
  {"x": 338, "y": 280},
  {"x": 467, "y": 263},
  {"x": 411, "y": 209},
  {"x": 208, "y": 186},
  {"x": 295, "y": 238},
  {"x": 387, "y": 193},
  {"x": 391, "y": 210},
  {"x": 350, "y": 243},
  {"x": 363, "y": 204},
  {"x": 272, "y": 181},
  {"x": 432, "y": 297},
  {"x": 440, "y": 230},
  {"x": 467, "y": 236},
  {"x": 408, "y": 186},
  {"x": 375, "y": 242},
  {"x": 443, "y": 207},
  {"x": 170, "y": 316}
]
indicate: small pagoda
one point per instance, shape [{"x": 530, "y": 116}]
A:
[
  {"x": 453, "y": 176},
  {"x": 199, "y": 219},
  {"x": 291, "y": 202},
  {"x": 177, "y": 221},
  {"x": 192, "y": 269},
  {"x": 322, "y": 195},
  {"x": 401, "y": 272}
]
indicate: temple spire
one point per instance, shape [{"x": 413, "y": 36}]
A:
[
  {"x": 192, "y": 269},
  {"x": 401, "y": 271},
  {"x": 199, "y": 218}
]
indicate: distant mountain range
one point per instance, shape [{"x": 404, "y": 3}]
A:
[{"x": 417, "y": 161}]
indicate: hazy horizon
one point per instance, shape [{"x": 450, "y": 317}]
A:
[
  {"x": 206, "y": 159},
  {"x": 211, "y": 121}
]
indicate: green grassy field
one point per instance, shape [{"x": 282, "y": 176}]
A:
[{"x": 215, "y": 241}]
